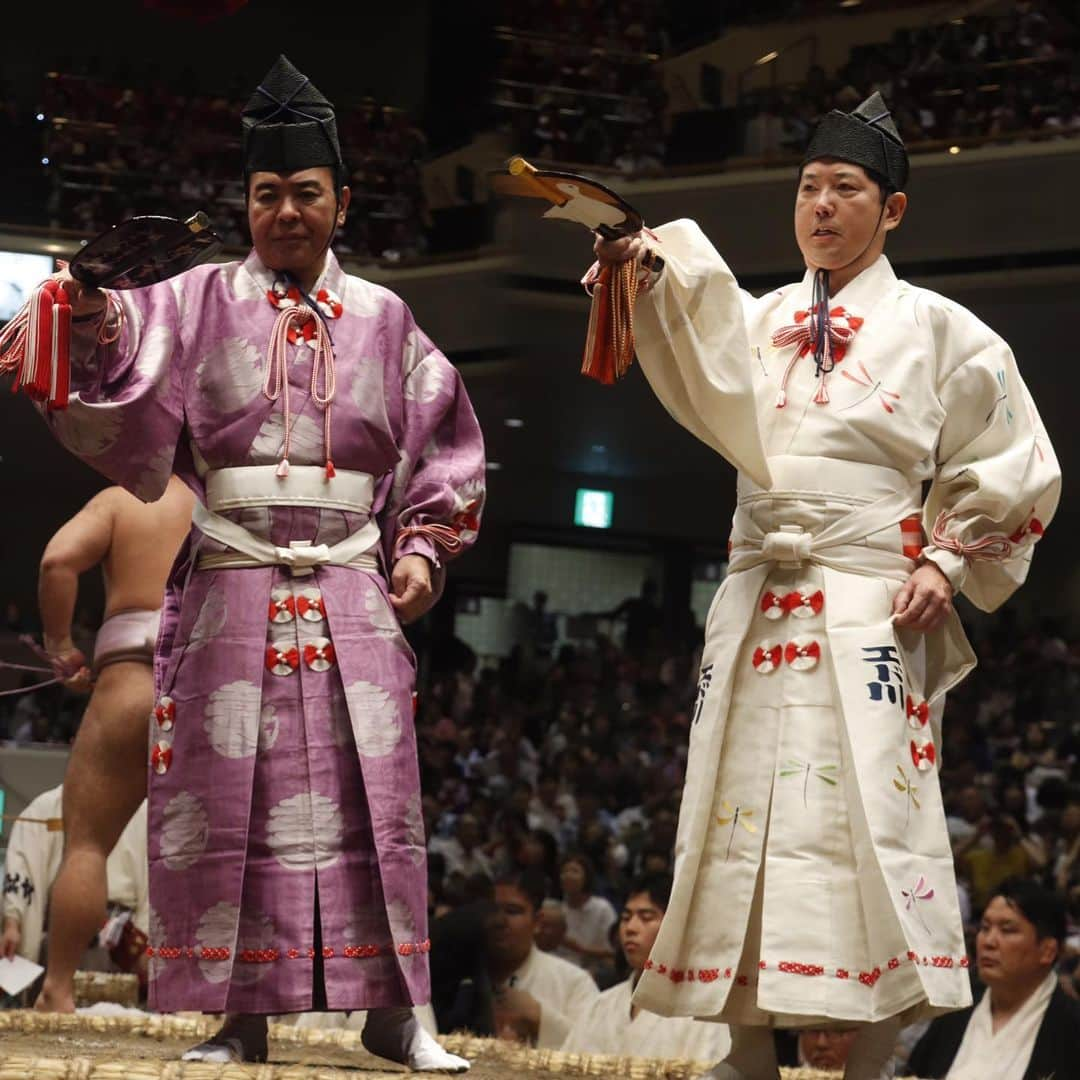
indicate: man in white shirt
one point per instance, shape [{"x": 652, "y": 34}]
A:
[
  {"x": 462, "y": 853},
  {"x": 612, "y": 1025},
  {"x": 1024, "y": 1027},
  {"x": 33, "y": 861},
  {"x": 537, "y": 995}
]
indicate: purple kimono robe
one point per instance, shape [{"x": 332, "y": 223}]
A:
[{"x": 283, "y": 784}]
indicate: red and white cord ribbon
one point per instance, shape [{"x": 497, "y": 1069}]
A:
[
  {"x": 803, "y": 333},
  {"x": 323, "y": 376},
  {"x": 994, "y": 547}
]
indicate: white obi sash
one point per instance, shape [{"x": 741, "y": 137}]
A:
[{"x": 306, "y": 485}]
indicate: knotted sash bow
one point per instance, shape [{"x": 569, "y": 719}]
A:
[{"x": 838, "y": 329}]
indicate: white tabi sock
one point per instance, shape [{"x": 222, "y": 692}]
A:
[
  {"x": 395, "y": 1033},
  {"x": 241, "y": 1039},
  {"x": 752, "y": 1056},
  {"x": 871, "y": 1054}
]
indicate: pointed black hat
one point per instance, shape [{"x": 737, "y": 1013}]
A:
[
  {"x": 866, "y": 136},
  {"x": 288, "y": 124}
]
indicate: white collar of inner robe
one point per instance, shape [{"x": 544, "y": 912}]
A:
[
  {"x": 859, "y": 295},
  {"x": 1010, "y": 1048}
]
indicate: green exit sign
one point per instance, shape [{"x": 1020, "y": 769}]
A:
[{"x": 593, "y": 509}]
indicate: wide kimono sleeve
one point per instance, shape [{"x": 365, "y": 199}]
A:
[
  {"x": 691, "y": 341},
  {"x": 997, "y": 481},
  {"x": 437, "y": 494},
  {"x": 126, "y": 412}
]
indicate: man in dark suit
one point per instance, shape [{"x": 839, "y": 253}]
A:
[{"x": 1023, "y": 1027}]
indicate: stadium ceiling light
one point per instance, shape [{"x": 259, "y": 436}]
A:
[
  {"x": 850, "y": 3},
  {"x": 514, "y": 422},
  {"x": 954, "y": 149},
  {"x": 768, "y": 58},
  {"x": 493, "y": 466}
]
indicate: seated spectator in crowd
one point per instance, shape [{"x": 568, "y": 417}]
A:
[
  {"x": 589, "y": 918},
  {"x": 551, "y": 928},
  {"x": 462, "y": 852},
  {"x": 537, "y": 995},
  {"x": 987, "y": 867},
  {"x": 612, "y": 1025},
  {"x": 1024, "y": 1027},
  {"x": 824, "y": 1048},
  {"x": 32, "y": 862}
]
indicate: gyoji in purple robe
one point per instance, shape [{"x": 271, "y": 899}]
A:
[{"x": 284, "y": 789}]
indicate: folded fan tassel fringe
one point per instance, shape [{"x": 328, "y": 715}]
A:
[
  {"x": 609, "y": 344},
  {"x": 35, "y": 346}
]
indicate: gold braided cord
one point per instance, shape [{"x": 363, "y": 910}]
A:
[
  {"x": 491, "y": 1058},
  {"x": 624, "y": 287}
]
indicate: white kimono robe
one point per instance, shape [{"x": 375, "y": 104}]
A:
[
  {"x": 606, "y": 1027},
  {"x": 813, "y": 872},
  {"x": 563, "y": 990},
  {"x": 33, "y": 861}
]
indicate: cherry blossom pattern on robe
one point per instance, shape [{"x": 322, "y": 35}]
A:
[
  {"x": 375, "y": 717},
  {"x": 231, "y": 719},
  {"x": 404, "y": 930},
  {"x": 415, "y": 833},
  {"x": 214, "y": 941},
  {"x": 289, "y": 832},
  {"x": 269, "y": 726},
  {"x": 230, "y": 375},
  {"x": 256, "y": 948},
  {"x": 210, "y": 621},
  {"x": 184, "y": 832},
  {"x": 156, "y": 936}
]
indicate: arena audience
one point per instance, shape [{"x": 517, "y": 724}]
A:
[
  {"x": 611, "y": 1025},
  {"x": 537, "y": 994},
  {"x": 111, "y": 153}
]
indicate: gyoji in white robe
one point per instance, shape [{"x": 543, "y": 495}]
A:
[
  {"x": 813, "y": 872},
  {"x": 33, "y": 861},
  {"x": 606, "y": 1027}
]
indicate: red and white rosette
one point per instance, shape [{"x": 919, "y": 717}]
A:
[
  {"x": 802, "y": 653},
  {"x": 161, "y": 758},
  {"x": 767, "y": 658},
  {"x": 918, "y": 716},
  {"x": 282, "y": 606},
  {"x": 282, "y": 659},
  {"x": 165, "y": 713},
  {"x": 319, "y": 654},
  {"x": 923, "y": 753},
  {"x": 772, "y": 606},
  {"x": 804, "y": 603},
  {"x": 309, "y": 605}
]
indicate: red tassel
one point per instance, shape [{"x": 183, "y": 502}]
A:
[
  {"x": 35, "y": 346},
  {"x": 37, "y": 373},
  {"x": 61, "y": 355},
  {"x": 331, "y": 472}
]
